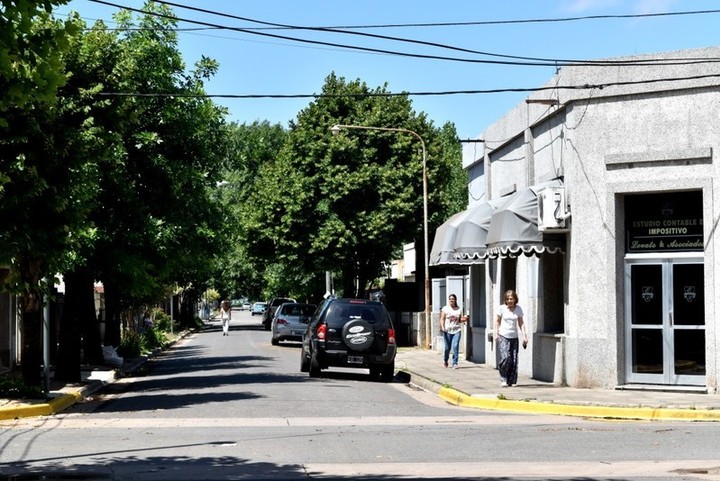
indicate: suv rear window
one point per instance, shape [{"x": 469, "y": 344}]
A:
[{"x": 339, "y": 313}]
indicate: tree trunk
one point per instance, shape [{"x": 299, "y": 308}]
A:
[
  {"x": 348, "y": 281},
  {"x": 89, "y": 323},
  {"x": 187, "y": 310},
  {"x": 67, "y": 365},
  {"x": 112, "y": 316},
  {"x": 31, "y": 351}
]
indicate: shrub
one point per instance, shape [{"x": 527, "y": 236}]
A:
[
  {"x": 130, "y": 344},
  {"x": 162, "y": 321},
  {"x": 152, "y": 337},
  {"x": 13, "y": 387}
]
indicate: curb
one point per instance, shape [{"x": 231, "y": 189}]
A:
[
  {"x": 67, "y": 399},
  {"x": 457, "y": 398}
]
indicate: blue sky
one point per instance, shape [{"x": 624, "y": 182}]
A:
[{"x": 252, "y": 64}]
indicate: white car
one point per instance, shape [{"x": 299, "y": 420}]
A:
[
  {"x": 258, "y": 308},
  {"x": 290, "y": 321}
]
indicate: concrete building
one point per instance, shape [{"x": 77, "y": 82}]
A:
[{"x": 596, "y": 197}]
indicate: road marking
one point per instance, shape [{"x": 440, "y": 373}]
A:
[
  {"x": 668, "y": 469},
  {"x": 75, "y": 421}
]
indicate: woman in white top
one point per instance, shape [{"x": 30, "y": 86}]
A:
[
  {"x": 509, "y": 324},
  {"x": 451, "y": 320},
  {"x": 225, "y": 314}
]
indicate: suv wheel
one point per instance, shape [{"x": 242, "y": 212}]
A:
[
  {"x": 387, "y": 372},
  {"x": 304, "y": 362},
  {"x": 314, "y": 368},
  {"x": 358, "y": 335}
]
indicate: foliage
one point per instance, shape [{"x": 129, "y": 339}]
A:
[
  {"x": 152, "y": 338},
  {"x": 159, "y": 222},
  {"x": 131, "y": 344},
  {"x": 31, "y": 44},
  {"x": 211, "y": 295},
  {"x": 240, "y": 272},
  {"x": 161, "y": 321},
  {"x": 13, "y": 387},
  {"x": 344, "y": 204}
]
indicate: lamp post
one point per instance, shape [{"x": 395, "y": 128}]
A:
[{"x": 335, "y": 129}]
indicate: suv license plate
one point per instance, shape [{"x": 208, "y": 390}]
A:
[{"x": 355, "y": 359}]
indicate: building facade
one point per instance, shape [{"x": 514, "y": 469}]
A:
[{"x": 599, "y": 204}]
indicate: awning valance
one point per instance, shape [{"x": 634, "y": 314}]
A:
[
  {"x": 461, "y": 239},
  {"x": 443, "y": 246},
  {"x": 514, "y": 226},
  {"x": 497, "y": 228}
]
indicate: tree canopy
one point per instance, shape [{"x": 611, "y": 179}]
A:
[{"x": 344, "y": 204}]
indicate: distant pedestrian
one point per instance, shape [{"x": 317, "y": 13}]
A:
[
  {"x": 451, "y": 319},
  {"x": 509, "y": 325},
  {"x": 225, "y": 315}
]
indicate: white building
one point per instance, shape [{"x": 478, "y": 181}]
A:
[{"x": 598, "y": 206}]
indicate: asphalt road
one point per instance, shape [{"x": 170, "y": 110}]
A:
[{"x": 236, "y": 407}]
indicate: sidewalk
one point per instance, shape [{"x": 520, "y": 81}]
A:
[
  {"x": 478, "y": 386},
  {"x": 471, "y": 385}
]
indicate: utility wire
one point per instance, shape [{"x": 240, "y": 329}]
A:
[
  {"x": 529, "y": 61},
  {"x": 511, "y": 22},
  {"x": 413, "y": 94}
]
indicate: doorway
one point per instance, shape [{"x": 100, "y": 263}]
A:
[{"x": 665, "y": 319}]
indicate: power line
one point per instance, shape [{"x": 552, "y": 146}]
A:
[
  {"x": 414, "y": 94},
  {"x": 528, "y": 61}
]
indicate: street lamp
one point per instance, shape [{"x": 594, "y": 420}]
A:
[{"x": 335, "y": 129}]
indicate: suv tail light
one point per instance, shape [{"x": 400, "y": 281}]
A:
[
  {"x": 321, "y": 331},
  {"x": 391, "y": 336}
]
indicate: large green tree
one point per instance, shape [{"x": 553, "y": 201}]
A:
[
  {"x": 45, "y": 189},
  {"x": 239, "y": 273},
  {"x": 157, "y": 222},
  {"x": 344, "y": 204}
]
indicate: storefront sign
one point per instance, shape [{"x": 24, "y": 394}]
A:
[{"x": 668, "y": 222}]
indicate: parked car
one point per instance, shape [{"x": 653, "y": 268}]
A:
[
  {"x": 290, "y": 321},
  {"x": 270, "y": 310},
  {"x": 258, "y": 308},
  {"x": 246, "y": 306},
  {"x": 355, "y": 333}
]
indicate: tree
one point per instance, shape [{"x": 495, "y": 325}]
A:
[
  {"x": 43, "y": 194},
  {"x": 239, "y": 273},
  {"x": 344, "y": 204},
  {"x": 158, "y": 224},
  {"x": 30, "y": 49}
]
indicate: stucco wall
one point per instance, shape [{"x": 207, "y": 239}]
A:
[{"x": 629, "y": 138}]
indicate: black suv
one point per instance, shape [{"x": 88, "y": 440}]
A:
[
  {"x": 270, "y": 310},
  {"x": 350, "y": 333}
]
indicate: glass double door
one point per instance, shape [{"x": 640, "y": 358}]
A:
[{"x": 665, "y": 321}]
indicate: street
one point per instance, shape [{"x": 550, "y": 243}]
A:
[{"x": 236, "y": 407}]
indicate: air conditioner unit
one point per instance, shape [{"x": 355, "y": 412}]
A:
[{"x": 552, "y": 209}]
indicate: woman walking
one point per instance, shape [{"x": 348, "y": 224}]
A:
[
  {"x": 225, "y": 314},
  {"x": 451, "y": 320},
  {"x": 509, "y": 324}
]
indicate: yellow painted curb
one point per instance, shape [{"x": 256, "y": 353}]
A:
[
  {"x": 42, "y": 409},
  {"x": 656, "y": 414}
]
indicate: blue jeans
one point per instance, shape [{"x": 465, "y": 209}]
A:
[{"x": 452, "y": 341}]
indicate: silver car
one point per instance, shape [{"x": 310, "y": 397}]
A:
[{"x": 289, "y": 321}]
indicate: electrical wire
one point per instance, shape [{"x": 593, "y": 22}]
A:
[
  {"x": 529, "y": 61},
  {"x": 416, "y": 94}
]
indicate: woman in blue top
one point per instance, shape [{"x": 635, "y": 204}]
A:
[{"x": 509, "y": 324}]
